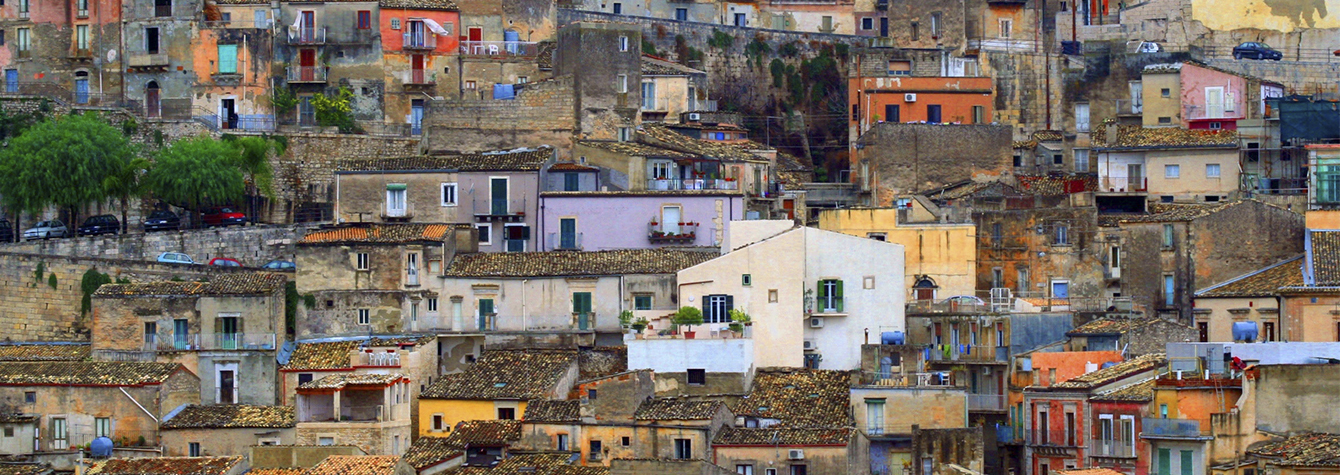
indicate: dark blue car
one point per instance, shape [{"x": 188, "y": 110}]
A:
[
  {"x": 1254, "y": 50},
  {"x": 162, "y": 220}
]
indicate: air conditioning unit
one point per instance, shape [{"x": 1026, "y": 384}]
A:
[
  {"x": 810, "y": 346},
  {"x": 695, "y": 116},
  {"x": 909, "y": 97},
  {"x": 816, "y": 322},
  {"x": 795, "y": 454}
]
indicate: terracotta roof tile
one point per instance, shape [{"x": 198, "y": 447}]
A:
[
  {"x": 1143, "y": 391},
  {"x": 1308, "y": 450},
  {"x": 109, "y": 373},
  {"x": 1324, "y": 253},
  {"x": 17, "y": 418},
  {"x": 1048, "y": 136},
  {"x": 492, "y": 433},
  {"x": 276, "y": 471},
  {"x": 355, "y": 465},
  {"x": 1043, "y": 185},
  {"x": 653, "y": 66},
  {"x": 535, "y": 464},
  {"x": 24, "y": 469},
  {"x": 232, "y": 416},
  {"x": 548, "y": 410},
  {"x": 328, "y": 355},
  {"x": 1116, "y": 325},
  {"x": 165, "y": 466},
  {"x": 800, "y": 398},
  {"x": 379, "y": 233},
  {"x": 1114, "y": 372},
  {"x": 339, "y": 381},
  {"x": 571, "y": 167},
  {"x": 506, "y": 374},
  {"x": 239, "y": 283},
  {"x": 601, "y": 361},
  {"x": 34, "y": 352},
  {"x": 544, "y": 57},
  {"x": 661, "y": 135},
  {"x": 430, "y": 451},
  {"x": 1168, "y": 212},
  {"x": 519, "y": 160},
  {"x": 1135, "y": 137},
  {"x": 443, "y": 5},
  {"x": 635, "y": 149},
  {"x": 1259, "y": 283},
  {"x": 576, "y": 263},
  {"x": 672, "y": 408},
  {"x": 778, "y": 436}
]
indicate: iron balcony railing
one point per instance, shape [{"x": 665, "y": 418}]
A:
[
  {"x": 419, "y": 40},
  {"x": 1121, "y": 184},
  {"x": 1111, "y": 448},
  {"x": 907, "y": 380},
  {"x": 307, "y": 35},
  {"x": 499, "y": 207},
  {"x": 565, "y": 241},
  {"x": 379, "y": 359},
  {"x": 659, "y": 232},
  {"x": 1155, "y": 428},
  {"x": 986, "y": 402},
  {"x": 300, "y": 74},
  {"x": 210, "y": 341},
  {"x": 985, "y": 353},
  {"x": 499, "y": 48},
  {"x": 663, "y": 184},
  {"x": 1129, "y": 106}
]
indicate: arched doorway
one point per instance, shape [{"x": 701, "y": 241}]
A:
[
  {"x": 152, "y": 106},
  {"x": 924, "y": 289},
  {"x": 81, "y": 87}
]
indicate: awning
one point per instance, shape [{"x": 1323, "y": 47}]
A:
[
  {"x": 396, "y": 187},
  {"x": 435, "y": 27}
]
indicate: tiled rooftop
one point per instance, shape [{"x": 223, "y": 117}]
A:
[
  {"x": 575, "y": 263},
  {"x": 29, "y": 352},
  {"x": 1258, "y": 283},
  {"x": 535, "y": 464},
  {"x": 1043, "y": 185},
  {"x": 520, "y": 160},
  {"x": 430, "y": 451},
  {"x": 1114, "y": 372},
  {"x": 17, "y": 418},
  {"x": 339, "y": 381},
  {"x": 1143, "y": 391},
  {"x": 1167, "y": 212},
  {"x": 800, "y": 398},
  {"x": 441, "y": 5},
  {"x": 1115, "y": 325},
  {"x": 601, "y": 361},
  {"x": 635, "y": 149},
  {"x": 102, "y": 373},
  {"x": 1309, "y": 450},
  {"x": 491, "y": 433},
  {"x": 276, "y": 471},
  {"x": 571, "y": 167},
  {"x": 1088, "y": 471},
  {"x": 165, "y": 466},
  {"x": 232, "y": 416},
  {"x": 24, "y": 469},
  {"x": 662, "y": 136},
  {"x": 1324, "y": 250},
  {"x": 673, "y": 408},
  {"x": 1136, "y": 137},
  {"x": 549, "y": 410},
  {"x": 780, "y": 436},
  {"x": 328, "y": 355},
  {"x": 653, "y": 66},
  {"x": 506, "y": 374},
  {"x": 355, "y": 465},
  {"x": 379, "y": 233},
  {"x": 239, "y": 283}
]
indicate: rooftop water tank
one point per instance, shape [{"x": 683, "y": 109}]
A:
[
  {"x": 1109, "y": 364},
  {"x": 1244, "y": 331},
  {"x": 892, "y": 338},
  {"x": 101, "y": 447}
]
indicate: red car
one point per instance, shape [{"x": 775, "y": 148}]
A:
[
  {"x": 225, "y": 261},
  {"x": 222, "y": 216}
]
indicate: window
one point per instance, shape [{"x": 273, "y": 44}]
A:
[
  {"x": 2, "y": 36},
  {"x": 716, "y": 308},
  {"x": 1042, "y": 426},
  {"x": 1082, "y": 117},
  {"x": 304, "y": 378},
  {"x": 9, "y": 431},
  {"x": 621, "y": 83},
  {"x": 642, "y": 302},
  {"x": 874, "y": 416},
  {"x": 826, "y": 24},
  {"x": 361, "y": 261},
  {"x": 1168, "y": 241},
  {"x": 522, "y": 79},
  {"x": 437, "y": 423},
  {"x": 1268, "y": 331},
  {"x": 623, "y": 43},
  {"x": 617, "y": 8},
  {"x": 595, "y": 451},
  {"x": 798, "y": 470},
  {"x": 81, "y": 37},
  {"x": 325, "y": 441},
  {"x": 561, "y": 442},
  {"x": 1216, "y": 125},
  {"x": 1062, "y": 236},
  {"x": 648, "y": 96},
  {"x": 396, "y": 200},
  {"x": 59, "y": 436},
  {"x": 30, "y": 397},
  {"x": 772, "y": 295},
  {"x": 682, "y": 14},
  {"x": 227, "y": 59},
  {"x": 1169, "y": 290},
  {"x": 485, "y": 234},
  {"x": 933, "y": 113},
  {"x": 867, "y": 23},
  {"x": 1172, "y": 171},
  {"x": 1006, "y": 28},
  {"x": 432, "y": 303},
  {"x": 625, "y": 134},
  {"x": 830, "y": 296},
  {"x": 883, "y": 237},
  {"x": 81, "y": 8},
  {"x": 746, "y": 279},
  {"x": 740, "y": 20},
  {"x": 162, "y": 8},
  {"x": 997, "y": 277},
  {"x": 898, "y": 68},
  {"x": 744, "y": 470},
  {"x": 194, "y": 449},
  {"x": 592, "y": 394},
  {"x": 935, "y": 25},
  {"x": 626, "y": 441},
  {"x": 448, "y": 194},
  {"x": 506, "y": 413},
  {"x": 1165, "y": 120},
  {"x": 1057, "y": 159},
  {"x": 363, "y": 317},
  {"x": 102, "y": 427},
  {"x": 470, "y": 85},
  {"x": 1211, "y": 170},
  {"x": 683, "y": 449},
  {"x": 915, "y": 34},
  {"x": 697, "y": 377},
  {"x": 1070, "y": 429},
  {"x": 978, "y": 114},
  {"x": 23, "y": 43},
  {"x": 1081, "y": 160},
  {"x": 1165, "y": 92},
  {"x": 364, "y": 19}
]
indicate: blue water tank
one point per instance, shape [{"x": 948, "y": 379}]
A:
[
  {"x": 892, "y": 338},
  {"x": 512, "y": 38},
  {"x": 1244, "y": 331},
  {"x": 101, "y": 447}
]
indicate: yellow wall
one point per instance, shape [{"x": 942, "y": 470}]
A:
[
  {"x": 1155, "y": 105},
  {"x": 455, "y": 411},
  {"x": 1220, "y": 320},
  {"x": 1192, "y": 179},
  {"x": 947, "y": 253},
  {"x": 1283, "y": 16},
  {"x": 1323, "y": 219}
]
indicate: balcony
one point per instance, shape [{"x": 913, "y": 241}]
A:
[
  {"x": 147, "y": 60},
  {"x": 1171, "y": 429},
  {"x": 307, "y": 35},
  {"x": 211, "y": 341},
  {"x": 565, "y": 241},
  {"x": 352, "y": 413},
  {"x": 419, "y": 77},
  {"x": 986, "y": 402},
  {"x": 1121, "y": 184},
  {"x": 500, "y": 209},
  {"x": 1130, "y": 107},
  {"x": 418, "y": 41},
  {"x": 1112, "y": 449},
  {"x": 968, "y": 353},
  {"x": 1008, "y": 434},
  {"x": 81, "y": 53},
  {"x": 666, "y": 233},
  {"x": 383, "y": 359},
  {"x": 908, "y": 380},
  {"x": 306, "y": 74},
  {"x": 668, "y": 184},
  {"x": 398, "y": 214},
  {"x": 1050, "y": 438},
  {"x": 1222, "y": 111},
  {"x": 500, "y": 49}
]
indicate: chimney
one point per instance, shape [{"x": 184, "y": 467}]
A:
[{"x": 1111, "y": 133}]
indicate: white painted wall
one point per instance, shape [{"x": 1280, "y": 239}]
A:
[
  {"x": 831, "y": 255},
  {"x": 678, "y": 355},
  {"x": 743, "y": 233}
]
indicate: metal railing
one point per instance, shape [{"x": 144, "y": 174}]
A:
[
  {"x": 352, "y": 413},
  {"x": 499, "y": 207},
  {"x": 1130, "y": 106},
  {"x": 1004, "y": 45},
  {"x": 664, "y": 184},
  {"x": 306, "y": 74},
  {"x": 1224, "y": 111},
  {"x": 827, "y": 304},
  {"x": 499, "y": 48},
  {"x": 968, "y": 353},
  {"x": 1121, "y": 184},
  {"x": 406, "y": 211},
  {"x": 210, "y": 341},
  {"x": 907, "y": 380},
  {"x": 664, "y": 232},
  {"x": 422, "y": 40},
  {"x": 566, "y": 242},
  {"x": 307, "y": 35},
  {"x": 379, "y": 359},
  {"x": 986, "y": 402},
  {"x": 1111, "y": 448},
  {"x": 1154, "y": 428},
  {"x": 421, "y": 77},
  {"x": 1052, "y": 438}
]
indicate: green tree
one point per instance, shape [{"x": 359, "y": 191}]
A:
[
  {"x": 196, "y": 172},
  {"x": 335, "y": 110},
  {"x": 125, "y": 182},
  {"x": 254, "y": 160},
  {"x": 61, "y": 162}
]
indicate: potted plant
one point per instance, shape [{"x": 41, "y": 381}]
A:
[
  {"x": 640, "y": 324},
  {"x": 738, "y": 320},
  {"x": 626, "y": 318},
  {"x": 688, "y": 316}
]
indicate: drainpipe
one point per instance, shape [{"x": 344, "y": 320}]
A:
[{"x": 137, "y": 404}]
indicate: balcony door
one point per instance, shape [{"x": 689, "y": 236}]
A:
[
  {"x": 227, "y": 330},
  {"x": 416, "y": 68},
  {"x": 226, "y": 384},
  {"x": 153, "y": 108},
  {"x": 1135, "y": 176},
  {"x": 1214, "y": 102},
  {"x": 181, "y": 330},
  {"x": 498, "y": 195},
  {"x": 670, "y": 218},
  {"x": 307, "y": 64},
  {"x": 308, "y": 26}
]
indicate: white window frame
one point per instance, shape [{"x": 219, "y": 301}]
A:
[
  {"x": 361, "y": 261},
  {"x": 1212, "y": 167},
  {"x": 621, "y": 83},
  {"x": 623, "y": 43},
  {"x": 432, "y": 305},
  {"x": 874, "y": 420},
  {"x": 625, "y": 134},
  {"x": 485, "y": 231},
  {"x": 193, "y": 449},
  {"x": 60, "y": 433},
  {"x": 455, "y": 196},
  {"x": 525, "y": 243},
  {"x": 1081, "y": 159},
  {"x": 364, "y": 316},
  {"x": 102, "y": 427},
  {"x": 868, "y": 23},
  {"x": 1172, "y": 171},
  {"x": 648, "y": 100}
]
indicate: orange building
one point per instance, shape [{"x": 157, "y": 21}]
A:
[
  {"x": 420, "y": 44},
  {"x": 894, "y": 98}
]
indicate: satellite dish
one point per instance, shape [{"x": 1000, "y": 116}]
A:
[{"x": 111, "y": 55}]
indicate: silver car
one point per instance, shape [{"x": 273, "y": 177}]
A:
[
  {"x": 46, "y": 230},
  {"x": 175, "y": 258}
]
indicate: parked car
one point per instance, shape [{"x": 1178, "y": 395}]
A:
[
  {"x": 47, "y": 230},
  {"x": 1255, "y": 50},
  {"x": 225, "y": 261},
  {"x": 162, "y": 220},
  {"x": 1148, "y": 47},
  {"x": 222, "y": 216},
  {"x": 175, "y": 258},
  {"x": 6, "y": 231},
  {"x": 280, "y": 265},
  {"x": 100, "y": 224}
]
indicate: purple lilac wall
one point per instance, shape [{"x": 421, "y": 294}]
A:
[{"x": 621, "y": 221}]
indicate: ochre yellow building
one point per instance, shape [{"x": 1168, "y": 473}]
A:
[
  {"x": 496, "y": 387},
  {"x": 941, "y": 258}
]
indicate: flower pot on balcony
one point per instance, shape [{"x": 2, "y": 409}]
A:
[{"x": 689, "y": 335}]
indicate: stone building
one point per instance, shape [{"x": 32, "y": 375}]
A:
[
  {"x": 941, "y": 260},
  {"x": 504, "y": 42},
  {"x": 232, "y": 57},
  {"x": 943, "y": 451},
  {"x": 159, "y": 38},
  {"x": 361, "y": 465},
  {"x": 499, "y": 386},
  {"x": 226, "y": 430},
  {"x": 1253, "y": 298},
  {"x": 1130, "y": 334},
  {"x": 328, "y": 46},
  {"x": 414, "y": 356},
  {"x": 227, "y": 330},
  {"x": 939, "y": 155},
  {"x": 64, "y": 50},
  {"x": 420, "y": 54},
  {"x": 370, "y": 411},
  {"x": 607, "y": 92},
  {"x": 1165, "y": 164},
  {"x": 670, "y": 89},
  {"x": 807, "y": 412}
]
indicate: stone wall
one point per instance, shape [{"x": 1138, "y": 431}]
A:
[
  {"x": 963, "y": 447},
  {"x": 252, "y": 245},
  {"x": 904, "y": 158},
  {"x": 543, "y": 113}
]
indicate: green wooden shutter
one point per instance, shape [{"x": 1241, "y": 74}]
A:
[
  {"x": 839, "y": 296},
  {"x": 1186, "y": 462},
  {"x": 730, "y": 305},
  {"x": 227, "y": 59},
  {"x": 1165, "y": 462}
]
